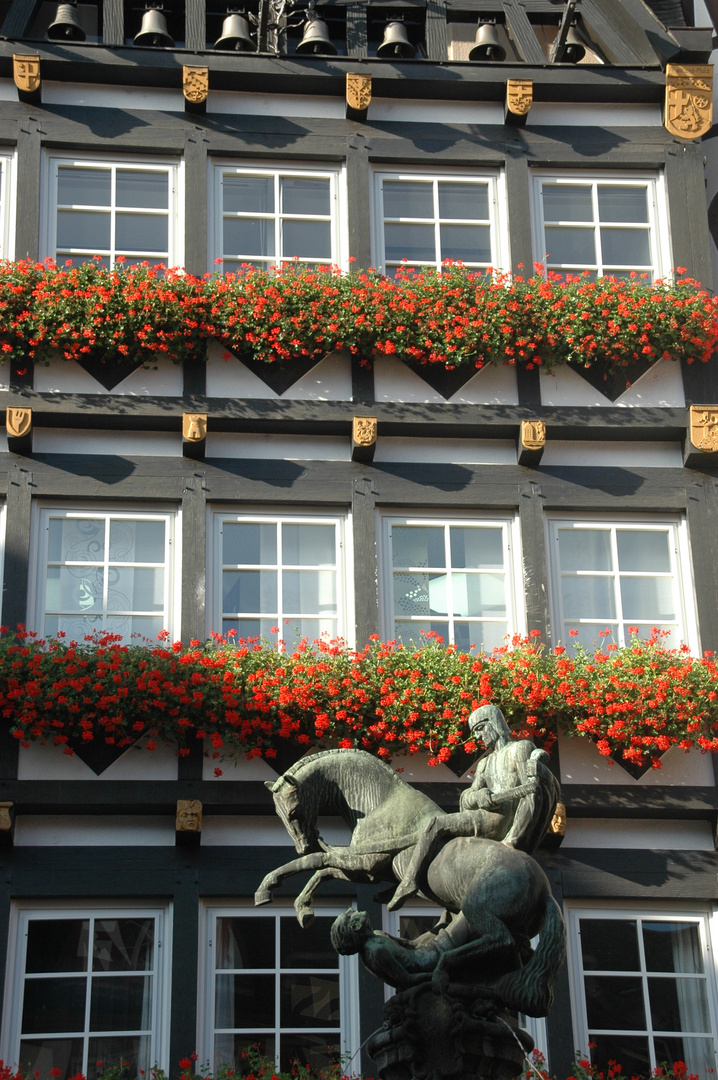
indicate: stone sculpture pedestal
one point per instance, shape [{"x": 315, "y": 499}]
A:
[{"x": 433, "y": 1036}]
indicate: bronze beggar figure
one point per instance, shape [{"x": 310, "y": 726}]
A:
[{"x": 458, "y": 982}]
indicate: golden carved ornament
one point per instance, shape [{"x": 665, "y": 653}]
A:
[
  {"x": 18, "y": 422},
  {"x": 189, "y": 816},
  {"x": 364, "y": 430},
  {"x": 26, "y": 72},
  {"x": 519, "y": 96},
  {"x": 195, "y": 84},
  {"x": 194, "y": 426},
  {"x": 689, "y": 100},
  {"x": 5, "y": 816},
  {"x": 358, "y": 91},
  {"x": 704, "y": 428},
  {"x": 533, "y": 434}
]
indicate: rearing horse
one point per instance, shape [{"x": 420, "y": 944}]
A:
[{"x": 498, "y": 897}]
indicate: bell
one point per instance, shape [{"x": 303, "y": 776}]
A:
[
  {"x": 315, "y": 39},
  {"x": 66, "y": 26},
  {"x": 154, "y": 30},
  {"x": 574, "y": 49},
  {"x": 487, "y": 45},
  {"x": 396, "y": 42},
  {"x": 235, "y": 34}
]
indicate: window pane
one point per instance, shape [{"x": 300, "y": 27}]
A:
[
  {"x": 469, "y": 202},
  {"x": 309, "y": 1000},
  {"x": 306, "y": 239},
  {"x": 622, "y": 203},
  {"x": 415, "y": 243},
  {"x": 639, "y": 549},
  {"x": 248, "y": 194},
  {"x": 679, "y": 1004},
  {"x": 672, "y": 946},
  {"x": 141, "y": 627},
  {"x": 411, "y": 632},
  {"x": 609, "y": 945},
  {"x": 245, "y": 942},
  {"x": 628, "y": 247},
  {"x": 249, "y": 543},
  {"x": 87, "y": 229},
  {"x": 248, "y": 236},
  {"x": 123, "y": 945},
  {"x": 480, "y": 635},
  {"x": 140, "y": 188},
  {"x": 121, "y": 1003},
  {"x": 75, "y": 588},
  {"x": 567, "y": 202},
  {"x": 244, "y": 1001},
  {"x": 698, "y": 1054},
  {"x": 308, "y": 592},
  {"x": 479, "y": 594},
  {"x": 420, "y": 594},
  {"x": 111, "y": 1050},
  {"x": 467, "y": 243},
  {"x": 476, "y": 549},
  {"x": 588, "y": 597},
  {"x": 56, "y": 1004},
  {"x": 647, "y": 598},
  {"x": 307, "y": 197},
  {"x": 141, "y": 232},
  {"x": 249, "y": 590},
  {"x": 569, "y": 245},
  {"x": 229, "y": 1049},
  {"x": 136, "y": 589},
  {"x": 417, "y": 545},
  {"x": 585, "y": 549},
  {"x": 46, "y": 1054},
  {"x": 614, "y": 1001},
  {"x": 631, "y": 1051},
  {"x": 57, "y": 945},
  {"x": 317, "y": 1051},
  {"x": 80, "y": 540},
  {"x": 310, "y": 948},
  {"x": 137, "y": 541},
  {"x": 408, "y": 199},
  {"x": 83, "y": 187},
  {"x": 308, "y": 545}
]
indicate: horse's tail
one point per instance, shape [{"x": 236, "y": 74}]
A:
[{"x": 530, "y": 989}]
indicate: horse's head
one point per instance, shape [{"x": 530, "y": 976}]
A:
[{"x": 300, "y": 820}]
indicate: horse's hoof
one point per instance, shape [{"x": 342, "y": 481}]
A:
[
  {"x": 262, "y": 896},
  {"x": 305, "y": 917}
]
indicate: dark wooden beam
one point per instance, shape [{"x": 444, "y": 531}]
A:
[
  {"x": 113, "y": 22},
  {"x": 630, "y": 874},
  {"x": 685, "y": 184},
  {"x": 17, "y": 546},
  {"x": 356, "y": 30},
  {"x": 437, "y": 39},
  {"x": 194, "y": 557},
  {"x": 185, "y": 959},
  {"x": 522, "y": 34},
  {"x": 366, "y": 598},
  {"x": 359, "y": 177},
  {"x": 518, "y": 198},
  {"x": 632, "y": 802},
  {"x": 18, "y": 18},
  {"x": 535, "y": 563},
  {"x": 196, "y": 201},
  {"x": 619, "y": 37},
  {"x": 29, "y": 150},
  {"x": 702, "y": 518},
  {"x": 195, "y": 34}
]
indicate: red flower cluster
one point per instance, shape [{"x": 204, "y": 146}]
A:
[{"x": 253, "y": 697}]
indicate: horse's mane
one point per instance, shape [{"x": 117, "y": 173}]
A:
[
  {"x": 365, "y": 785},
  {"x": 337, "y": 752}
]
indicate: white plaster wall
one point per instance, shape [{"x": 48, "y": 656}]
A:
[
  {"x": 639, "y": 455},
  {"x": 5, "y": 377},
  {"x": 66, "y": 377},
  {"x": 238, "y": 769},
  {"x": 562, "y": 386},
  {"x": 81, "y": 830},
  {"x": 436, "y": 112},
  {"x": 576, "y": 114},
  {"x": 97, "y": 96},
  {"x": 415, "y": 768},
  {"x": 581, "y": 763},
  {"x": 492, "y": 385},
  {"x": 447, "y": 451},
  {"x": 639, "y": 834},
  {"x": 661, "y": 385},
  {"x": 235, "y": 831},
  {"x": 38, "y": 762},
  {"x": 117, "y": 443},
  {"x": 228, "y": 444},
  {"x": 242, "y": 104},
  {"x": 329, "y": 380}
]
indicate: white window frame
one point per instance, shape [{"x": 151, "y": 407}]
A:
[
  {"x": 8, "y": 202},
  {"x": 39, "y": 556},
  {"x": 657, "y": 226},
  {"x": 706, "y": 916},
  {"x": 498, "y": 212},
  {"x": 24, "y": 911},
  {"x": 344, "y": 566},
  {"x": 336, "y": 174},
  {"x": 680, "y": 571},
  {"x": 173, "y": 167},
  {"x": 515, "y": 616},
  {"x": 348, "y": 967}
]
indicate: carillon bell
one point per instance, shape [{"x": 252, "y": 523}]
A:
[
  {"x": 235, "y": 34},
  {"x": 487, "y": 45},
  {"x": 396, "y": 42},
  {"x": 66, "y": 26},
  {"x": 154, "y": 30},
  {"x": 315, "y": 39},
  {"x": 574, "y": 49}
]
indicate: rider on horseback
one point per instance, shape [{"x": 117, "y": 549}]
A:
[{"x": 512, "y": 799}]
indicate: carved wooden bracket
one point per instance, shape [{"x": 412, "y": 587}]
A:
[
  {"x": 364, "y": 429},
  {"x": 532, "y": 442},
  {"x": 195, "y": 87},
  {"x": 188, "y": 822},
  {"x": 689, "y": 100},
  {"x": 358, "y": 91},
  {"x": 27, "y": 77},
  {"x": 194, "y": 435},
  {"x": 519, "y": 99},
  {"x": 19, "y": 430}
]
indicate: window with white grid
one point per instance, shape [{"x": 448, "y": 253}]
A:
[
  {"x": 266, "y": 216},
  {"x": 7, "y": 205},
  {"x": 613, "y": 226},
  {"x": 89, "y": 990},
  {"x": 106, "y": 571},
  {"x": 612, "y": 576},
  {"x": 454, "y": 578},
  {"x": 643, "y": 984},
  {"x": 425, "y": 220},
  {"x": 124, "y": 211}
]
